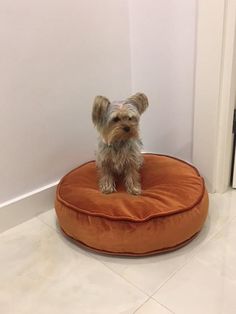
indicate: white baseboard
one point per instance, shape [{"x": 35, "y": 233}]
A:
[{"x": 27, "y": 206}]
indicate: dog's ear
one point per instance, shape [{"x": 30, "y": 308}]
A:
[
  {"x": 100, "y": 106},
  {"x": 140, "y": 100}
]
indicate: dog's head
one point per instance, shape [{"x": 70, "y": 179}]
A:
[{"x": 119, "y": 120}]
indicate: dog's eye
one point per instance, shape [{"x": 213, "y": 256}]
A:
[
  {"x": 130, "y": 118},
  {"x": 116, "y": 119}
]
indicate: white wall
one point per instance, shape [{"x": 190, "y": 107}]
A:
[
  {"x": 56, "y": 55},
  {"x": 162, "y": 56}
]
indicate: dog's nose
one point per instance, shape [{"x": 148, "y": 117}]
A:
[{"x": 126, "y": 129}]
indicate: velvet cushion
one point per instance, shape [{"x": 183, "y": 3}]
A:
[{"x": 170, "y": 211}]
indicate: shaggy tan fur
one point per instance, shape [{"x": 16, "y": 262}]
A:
[{"x": 119, "y": 148}]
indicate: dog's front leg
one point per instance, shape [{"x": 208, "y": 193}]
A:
[
  {"x": 132, "y": 180},
  {"x": 106, "y": 181}
]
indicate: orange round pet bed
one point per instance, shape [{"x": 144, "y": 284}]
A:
[{"x": 168, "y": 214}]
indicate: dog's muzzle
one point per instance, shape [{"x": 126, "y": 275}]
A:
[{"x": 126, "y": 129}]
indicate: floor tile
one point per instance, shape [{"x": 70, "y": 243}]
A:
[
  {"x": 207, "y": 284},
  {"x": 198, "y": 289},
  {"x": 150, "y": 273},
  {"x": 50, "y": 218},
  {"x": 147, "y": 273},
  {"x": 42, "y": 272},
  {"x": 220, "y": 252},
  {"x": 152, "y": 307},
  {"x": 221, "y": 211}
]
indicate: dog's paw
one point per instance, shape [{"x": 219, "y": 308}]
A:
[
  {"x": 107, "y": 188},
  {"x": 134, "y": 190}
]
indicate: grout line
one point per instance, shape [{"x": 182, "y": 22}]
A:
[
  {"x": 91, "y": 255},
  {"x": 97, "y": 259},
  {"x": 216, "y": 232},
  {"x": 141, "y": 305},
  {"x": 100, "y": 261},
  {"x": 131, "y": 283},
  {"x": 192, "y": 256},
  {"x": 188, "y": 260},
  {"x": 151, "y": 298},
  {"x": 47, "y": 224},
  {"x": 170, "y": 276},
  {"x": 162, "y": 305}
]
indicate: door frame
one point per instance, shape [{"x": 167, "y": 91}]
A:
[{"x": 214, "y": 93}]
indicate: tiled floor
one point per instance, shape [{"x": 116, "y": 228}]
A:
[{"x": 41, "y": 272}]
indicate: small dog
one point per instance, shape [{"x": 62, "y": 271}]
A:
[{"x": 119, "y": 148}]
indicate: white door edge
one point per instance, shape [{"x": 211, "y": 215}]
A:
[{"x": 215, "y": 81}]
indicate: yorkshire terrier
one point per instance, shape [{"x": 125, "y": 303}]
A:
[{"x": 119, "y": 147}]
